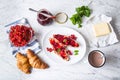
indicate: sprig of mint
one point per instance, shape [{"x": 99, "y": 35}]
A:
[
  {"x": 76, "y": 52},
  {"x": 80, "y": 12}
]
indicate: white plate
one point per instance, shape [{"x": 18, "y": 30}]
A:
[{"x": 65, "y": 31}]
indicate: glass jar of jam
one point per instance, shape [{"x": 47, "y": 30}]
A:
[{"x": 44, "y": 17}]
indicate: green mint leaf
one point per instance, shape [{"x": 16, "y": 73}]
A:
[
  {"x": 87, "y": 13},
  {"x": 58, "y": 50},
  {"x": 65, "y": 40},
  {"x": 73, "y": 19},
  {"x": 79, "y": 25},
  {"x": 80, "y": 11},
  {"x": 76, "y": 52}
]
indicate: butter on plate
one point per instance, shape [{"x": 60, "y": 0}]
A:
[{"x": 101, "y": 29}]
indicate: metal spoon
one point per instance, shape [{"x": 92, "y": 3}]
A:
[
  {"x": 46, "y": 15},
  {"x": 33, "y": 10}
]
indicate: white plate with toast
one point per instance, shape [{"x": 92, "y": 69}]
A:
[{"x": 65, "y": 31}]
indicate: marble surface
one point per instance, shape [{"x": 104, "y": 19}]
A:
[{"x": 11, "y": 10}]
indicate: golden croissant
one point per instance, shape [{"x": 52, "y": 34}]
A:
[
  {"x": 23, "y": 63},
  {"x": 35, "y": 61}
]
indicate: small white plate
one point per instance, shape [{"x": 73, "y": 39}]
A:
[{"x": 65, "y": 31}]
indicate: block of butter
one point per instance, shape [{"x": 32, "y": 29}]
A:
[{"x": 101, "y": 29}]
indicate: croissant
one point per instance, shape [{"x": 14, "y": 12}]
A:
[
  {"x": 35, "y": 61},
  {"x": 23, "y": 63}
]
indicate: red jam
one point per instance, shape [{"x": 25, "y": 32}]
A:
[
  {"x": 59, "y": 45},
  {"x": 42, "y": 19},
  {"x": 20, "y": 35}
]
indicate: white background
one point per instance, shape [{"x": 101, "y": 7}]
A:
[{"x": 11, "y": 10}]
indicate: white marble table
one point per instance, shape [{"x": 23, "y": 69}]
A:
[{"x": 11, "y": 10}]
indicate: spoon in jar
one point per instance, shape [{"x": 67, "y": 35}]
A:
[
  {"x": 60, "y": 17},
  {"x": 46, "y": 15}
]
